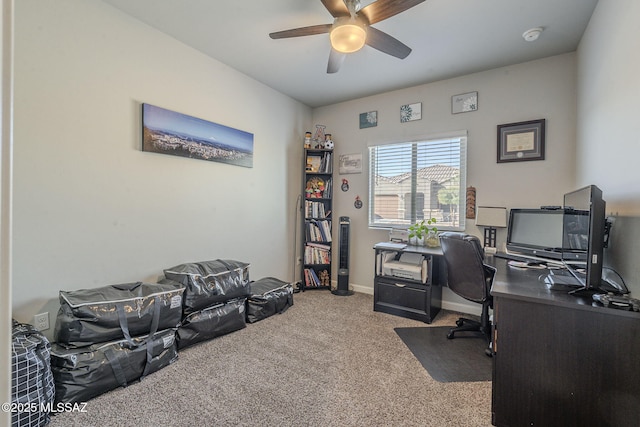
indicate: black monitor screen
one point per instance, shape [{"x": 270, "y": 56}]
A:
[
  {"x": 584, "y": 230},
  {"x": 576, "y": 231},
  {"x": 535, "y": 232}
]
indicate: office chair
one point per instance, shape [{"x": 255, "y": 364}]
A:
[{"x": 469, "y": 277}]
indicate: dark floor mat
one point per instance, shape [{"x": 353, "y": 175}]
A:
[{"x": 459, "y": 359}]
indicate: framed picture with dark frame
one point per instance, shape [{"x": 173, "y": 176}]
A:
[{"x": 521, "y": 141}]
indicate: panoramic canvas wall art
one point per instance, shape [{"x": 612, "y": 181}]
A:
[{"x": 168, "y": 132}]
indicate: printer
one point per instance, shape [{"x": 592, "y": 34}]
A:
[{"x": 410, "y": 266}]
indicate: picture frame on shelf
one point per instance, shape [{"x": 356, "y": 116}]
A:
[
  {"x": 521, "y": 141},
  {"x": 313, "y": 163},
  {"x": 464, "y": 102}
]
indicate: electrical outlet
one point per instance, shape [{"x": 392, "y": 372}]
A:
[{"x": 41, "y": 321}]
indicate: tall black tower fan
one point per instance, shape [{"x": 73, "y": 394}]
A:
[{"x": 343, "y": 265}]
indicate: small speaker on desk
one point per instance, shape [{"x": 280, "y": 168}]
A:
[{"x": 343, "y": 258}]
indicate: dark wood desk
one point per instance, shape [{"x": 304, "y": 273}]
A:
[{"x": 561, "y": 360}]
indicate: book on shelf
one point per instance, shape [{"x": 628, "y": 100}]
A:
[
  {"x": 317, "y": 253},
  {"x": 327, "y": 192},
  {"x": 309, "y": 282},
  {"x": 325, "y": 163},
  {"x": 318, "y": 230},
  {"x": 313, "y": 279},
  {"x": 325, "y": 229},
  {"x": 315, "y": 210}
]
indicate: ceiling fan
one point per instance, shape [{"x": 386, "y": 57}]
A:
[{"x": 351, "y": 28}]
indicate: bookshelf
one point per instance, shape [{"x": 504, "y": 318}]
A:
[{"x": 317, "y": 237}]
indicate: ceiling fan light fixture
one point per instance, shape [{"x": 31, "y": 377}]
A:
[{"x": 348, "y": 37}]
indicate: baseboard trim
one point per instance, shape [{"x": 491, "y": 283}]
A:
[
  {"x": 462, "y": 308},
  {"x": 362, "y": 289}
]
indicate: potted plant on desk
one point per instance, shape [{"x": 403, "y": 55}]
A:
[
  {"x": 424, "y": 233},
  {"x": 417, "y": 232},
  {"x": 431, "y": 239}
]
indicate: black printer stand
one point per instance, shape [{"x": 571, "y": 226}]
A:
[{"x": 401, "y": 296}]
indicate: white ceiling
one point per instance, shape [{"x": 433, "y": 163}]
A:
[{"x": 449, "y": 38}]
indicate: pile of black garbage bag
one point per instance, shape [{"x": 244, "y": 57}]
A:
[{"x": 111, "y": 336}]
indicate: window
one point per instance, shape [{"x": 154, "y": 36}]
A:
[{"x": 411, "y": 181}]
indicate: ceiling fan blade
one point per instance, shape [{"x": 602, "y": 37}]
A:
[
  {"x": 302, "y": 31},
  {"x": 335, "y": 61},
  {"x": 336, "y": 8},
  {"x": 383, "y": 9},
  {"x": 385, "y": 43}
]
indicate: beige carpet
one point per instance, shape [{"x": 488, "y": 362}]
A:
[{"x": 327, "y": 361}]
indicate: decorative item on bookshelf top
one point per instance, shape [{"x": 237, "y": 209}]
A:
[
  {"x": 328, "y": 142},
  {"x": 320, "y": 141},
  {"x": 307, "y": 139}
]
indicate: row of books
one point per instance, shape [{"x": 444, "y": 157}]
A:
[
  {"x": 319, "y": 163},
  {"x": 311, "y": 279},
  {"x": 319, "y": 231},
  {"x": 328, "y": 189},
  {"x": 317, "y": 253},
  {"x": 315, "y": 210}
]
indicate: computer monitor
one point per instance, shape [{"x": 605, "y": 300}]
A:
[
  {"x": 584, "y": 230},
  {"x": 536, "y": 232}
]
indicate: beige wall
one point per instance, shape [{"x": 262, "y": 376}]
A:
[
  {"x": 6, "y": 86},
  {"x": 608, "y": 128},
  {"x": 533, "y": 90},
  {"x": 77, "y": 73},
  {"x": 90, "y": 207}
]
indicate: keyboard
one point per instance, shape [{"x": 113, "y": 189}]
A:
[
  {"x": 550, "y": 263},
  {"x": 513, "y": 257}
]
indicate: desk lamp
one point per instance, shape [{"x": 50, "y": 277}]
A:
[{"x": 491, "y": 218}]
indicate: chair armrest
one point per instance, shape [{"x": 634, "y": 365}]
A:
[
  {"x": 489, "y": 274},
  {"x": 489, "y": 271}
]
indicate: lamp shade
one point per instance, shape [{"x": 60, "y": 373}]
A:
[
  {"x": 348, "y": 37},
  {"x": 489, "y": 216}
]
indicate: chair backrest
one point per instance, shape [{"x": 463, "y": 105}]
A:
[{"x": 464, "y": 257}]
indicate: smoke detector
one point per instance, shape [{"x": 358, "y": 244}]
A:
[{"x": 532, "y": 34}]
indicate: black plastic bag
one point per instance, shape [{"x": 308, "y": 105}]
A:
[
  {"x": 210, "y": 282},
  {"x": 84, "y": 373},
  {"x": 268, "y": 297},
  {"x": 110, "y": 313},
  {"x": 212, "y": 322}
]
